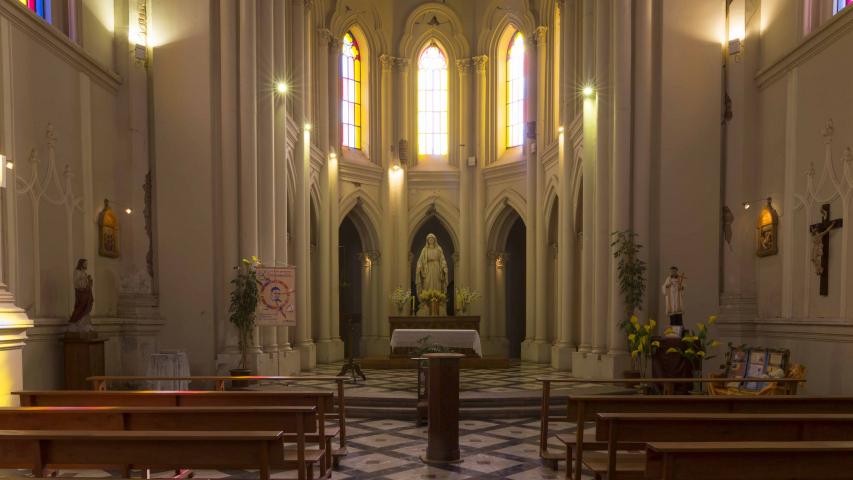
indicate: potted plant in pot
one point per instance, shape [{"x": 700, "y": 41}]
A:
[
  {"x": 631, "y": 271},
  {"x": 244, "y": 301}
]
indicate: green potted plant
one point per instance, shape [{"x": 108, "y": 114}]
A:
[
  {"x": 244, "y": 301},
  {"x": 631, "y": 272}
]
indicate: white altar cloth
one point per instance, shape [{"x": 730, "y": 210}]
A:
[
  {"x": 405, "y": 337},
  {"x": 168, "y": 363}
]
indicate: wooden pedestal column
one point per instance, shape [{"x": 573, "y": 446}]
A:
[
  {"x": 443, "y": 438},
  {"x": 84, "y": 357}
]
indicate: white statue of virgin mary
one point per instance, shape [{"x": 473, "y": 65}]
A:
[{"x": 431, "y": 271}]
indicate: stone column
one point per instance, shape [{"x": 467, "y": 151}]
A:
[
  {"x": 288, "y": 359},
  {"x": 402, "y": 272},
  {"x": 580, "y": 360},
  {"x": 496, "y": 344},
  {"x": 464, "y": 273},
  {"x": 600, "y": 244},
  {"x": 334, "y": 89},
  {"x": 528, "y": 349},
  {"x": 302, "y": 170},
  {"x": 268, "y": 365},
  {"x": 561, "y": 352},
  {"x": 542, "y": 347},
  {"x": 248, "y": 197},
  {"x": 621, "y": 173},
  {"x": 322, "y": 318}
]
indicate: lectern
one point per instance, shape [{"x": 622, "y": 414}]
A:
[{"x": 443, "y": 431}]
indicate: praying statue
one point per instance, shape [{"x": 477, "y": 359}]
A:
[
  {"x": 673, "y": 292},
  {"x": 83, "y": 299},
  {"x": 431, "y": 272}
]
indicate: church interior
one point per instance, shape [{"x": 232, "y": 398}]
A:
[{"x": 403, "y": 238}]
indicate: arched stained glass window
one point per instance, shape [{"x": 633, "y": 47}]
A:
[
  {"x": 515, "y": 91},
  {"x": 432, "y": 101},
  {"x": 350, "y": 93},
  {"x": 41, "y": 7},
  {"x": 838, "y": 5}
]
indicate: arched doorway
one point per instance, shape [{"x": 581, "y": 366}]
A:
[
  {"x": 514, "y": 264},
  {"x": 350, "y": 262},
  {"x": 435, "y": 226}
]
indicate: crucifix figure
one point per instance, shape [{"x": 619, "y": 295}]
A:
[{"x": 820, "y": 246}]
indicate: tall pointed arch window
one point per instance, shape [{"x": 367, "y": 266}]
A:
[
  {"x": 350, "y": 92},
  {"x": 838, "y": 5},
  {"x": 515, "y": 91},
  {"x": 40, "y": 7},
  {"x": 432, "y": 101}
]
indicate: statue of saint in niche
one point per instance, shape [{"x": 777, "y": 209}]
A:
[{"x": 431, "y": 274}]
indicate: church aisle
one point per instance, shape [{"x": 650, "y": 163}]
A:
[{"x": 389, "y": 450}]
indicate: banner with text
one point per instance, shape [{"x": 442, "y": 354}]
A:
[{"x": 276, "y": 296}]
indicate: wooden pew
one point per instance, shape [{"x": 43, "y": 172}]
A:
[
  {"x": 584, "y": 408},
  {"x": 752, "y": 460},
  {"x": 37, "y": 449},
  {"x": 791, "y": 384},
  {"x": 621, "y": 429},
  {"x": 322, "y": 400},
  {"x": 102, "y": 382},
  {"x": 295, "y": 421}
]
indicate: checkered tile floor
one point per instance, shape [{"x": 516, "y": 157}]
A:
[
  {"x": 519, "y": 377},
  {"x": 390, "y": 450}
]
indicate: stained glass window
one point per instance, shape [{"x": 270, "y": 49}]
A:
[
  {"x": 41, "y": 7},
  {"x": 515, "y": 91},
  {"x": 350, "y": 93},
  {"x": 432, "y": 101},
  {"x": 838, "y": 5}
]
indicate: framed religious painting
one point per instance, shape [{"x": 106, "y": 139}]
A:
[
  {"x": 108, "y": 232},
  {"x": 768, "y": 231}
]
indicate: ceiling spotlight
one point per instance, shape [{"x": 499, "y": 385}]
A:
[
  {"x": 588, "y": 91},
  {"x": 746, "y": 205},
  {"x": 281, "y": 87},
  {"x": 128, "y": 211},
  {"x": 10, "y": 165},
  {"x": 307, "y": 127},
  {"x": 560, "y": 130}
]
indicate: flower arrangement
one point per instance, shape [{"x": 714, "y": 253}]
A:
[
  {"x": 432, "y": 295},
  {"x": 640, "y": 343},
  {"x": 465, "y": 297},
  {"x": 425, "y": 346},
  {"x": 244, "y": 301},
  {"x": 400, "y": 298},
  {"x": 696, "y": 345}
]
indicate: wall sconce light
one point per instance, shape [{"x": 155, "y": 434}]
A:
[
  {"x": 281, "y": 88},
  {"x": 588, "y": 91},
  {"x": 560, "y": 130},
  {"x": 307, "y": 127},
  {"x": 128, "y": 211},
  {"x": 500, "y": 262}
]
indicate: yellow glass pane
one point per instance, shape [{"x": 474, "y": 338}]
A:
[
  {"x": 357, "y": 117},
  {"x": 356, "y": 70},
  {"x": 358, "y": 138}
]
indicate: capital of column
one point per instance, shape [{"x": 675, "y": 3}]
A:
[
  {"x": 464, "y": 65},
  {"x": 324, "y": 35},
  {"x": 540, "y": 36},
  {"x": 479, "y": 62}
]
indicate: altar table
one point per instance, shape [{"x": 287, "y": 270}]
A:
[
  {"x": 460, "y": 322},
  {"x": 464, "y": 340}
]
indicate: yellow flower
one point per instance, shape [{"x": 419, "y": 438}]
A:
[
  {"x": 701, "y": 327},
  {"x": 700, "y": 353},
  {"x": 672, "y": 350},
  {"x": 712, "y": 319},
  {"x": 648, "y": 328},
  {"x": 668, "y": 331},
  {"x": 634, "y": 320},
  {"x": 715, "y": 344},
  {"x": 640, "y": 347},
  {"x": 652, "y": 323},
  {"x": 631, "y": 337},
  {"x": 634, "y": 354},
  {"x": 656, "y": 343}
]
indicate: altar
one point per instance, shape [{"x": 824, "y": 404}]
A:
[{"x": 464, "y": 322}]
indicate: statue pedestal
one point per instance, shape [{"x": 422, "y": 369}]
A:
[
  {"x": 443, "y": 436},
  {"x": 84, "y": 357}
]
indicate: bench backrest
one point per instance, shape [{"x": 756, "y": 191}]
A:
[
  {"x": 709, "y": 427},
  {"x": 70, "y": 398},
  {"x": 592, "y": 405},
  {"x": 159, "y": 418}
]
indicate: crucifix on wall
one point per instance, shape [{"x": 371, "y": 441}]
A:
[{"x": 820, "y": 245}]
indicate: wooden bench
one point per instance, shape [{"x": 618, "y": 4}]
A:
[
  {"x": 322, "y": 400},
  {"x": 790, "y": 384},
  {"x": 295, "y": 421},
  {"x": 752, "y": 460},
  {"x": 624, "y": 431},
  {"x": 584, "y": 408},
  {"x": 102, "y": 382},
  {"x": 38, "y": 449}
]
